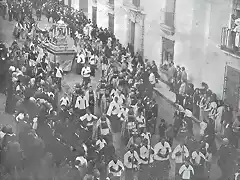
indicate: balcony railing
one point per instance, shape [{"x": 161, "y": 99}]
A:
[
  {"x": 110, "y": 4},
  {"x": 167, "y": 21},
  {"x": 230, "y": 41},
  {"x": 133, "y": 5}
]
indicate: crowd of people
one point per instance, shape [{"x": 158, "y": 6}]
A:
[
  {"x": 203, "y": 104},
  {"x": 70, "y": 133}
]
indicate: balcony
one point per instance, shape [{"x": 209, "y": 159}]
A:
[
  {"x": 229, "y": 43},
  {"x": 167, "y": 22},
  {"x": 236, "y": 4},
  {"x": 110, "y": 4},
  {"x": 134, "y": 5}
]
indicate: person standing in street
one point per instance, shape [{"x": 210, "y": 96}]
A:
[
  {"x": 59, "y": 76},
  {"x": 180, "y": 153},
  {"x": 86, "y": 75}
]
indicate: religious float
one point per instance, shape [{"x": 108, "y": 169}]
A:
[{"x": 60, "y": 45}]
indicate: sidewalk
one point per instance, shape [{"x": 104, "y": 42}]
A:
[{"x": 162, "y": 89}]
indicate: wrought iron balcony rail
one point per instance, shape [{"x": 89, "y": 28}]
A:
[{"x": 230, "y": 41}]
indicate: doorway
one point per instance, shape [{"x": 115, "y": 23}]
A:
[
  {"x": 111, "y": 22},
  {"x": 132, "y": 33},
  {"x": 167, "y": 50}
]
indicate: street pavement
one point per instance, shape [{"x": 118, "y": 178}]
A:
[{"x": 165, "y": 110}]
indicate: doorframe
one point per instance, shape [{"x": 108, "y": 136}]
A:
[{"x": 163, "y": 48}]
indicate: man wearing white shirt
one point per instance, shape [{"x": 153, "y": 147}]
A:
[
  {"x": 112, "y": 114},
  {"x": 186, "y": 171},
  {"x": 89, "y": 119},
  {"x": 147, "y": 158},
  {"x": 86, "y": 74},
  {"x": 104, "y": 125},
  {"x": 81, "y": 104},
  {"x": 64, "y": 101},
  {"x": 179, "y": 154},
  {"x": 116, "y": 168},
  {"x": 114, "y": 108},
  {"x": 80, "y": 62},
  {"x": 198, "y": 163},
  {"x": 119, "y": 95},
  {"x": 92, "y": 62},
  {"x": 132, "y": 162},
  {"x": 161, "y": 154},
  {"x": 101, "y": 143},
  {"x": 59, "y": 75}
]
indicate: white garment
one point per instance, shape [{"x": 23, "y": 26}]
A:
[
  {"x": 59, "y": 72},
  {"x": 237, "y": 38},
  {"x": 113, "y": 109},
  {"x": 82, "y": 161},
  {"x": 35, "y": 123},
  {"x": 162, "y": 148},
  {"x": 197, "y": 157},
  {"x": 89, "y": 118},
  {"x": 102, "y": 143},
  {"x": 144, "y": 154},
  {"x": 134, "y": 157},
  {"x": 81, "y": 59},
  {"x": 185, "y": 172},
  {"x": 184, "y": 153},
  {"x": 64, "y": 101},
  {"x": 116, "y": 166},
  {"x": 147, "y": 136},
  {"x": 141, "y": 121},
  {"x": 203, "y": 126},
  {"x": 123, "y": 112},
  {"x": 152, "y": 79},
  {"x": 218, "y": 119},
  {"x": 86, "y": 71},
  {"x": 81, "y": 102},
  {"x": 92, "y": 60}
]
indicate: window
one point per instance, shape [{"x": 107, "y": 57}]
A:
[
  {"x": 69, "y": 3},
  {"x": 111, "y": 2},
  {"x": 136, "y": 3},
  {"x": 94, "y": 15},
  {"x": 169, "y": 19},
  {"x": 169, "y": 13},
  {"x": 111, "y": 22}
]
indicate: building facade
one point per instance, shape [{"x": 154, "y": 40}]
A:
[
  {"x": 125, "y": 18},
  {"x": 78, "y": 5},
  {"x": 191, "y": 33}
]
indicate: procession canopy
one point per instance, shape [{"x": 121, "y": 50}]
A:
[{"x": 59, "y": 33}]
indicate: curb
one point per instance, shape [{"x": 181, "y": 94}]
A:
[
  {"x": 164, "y": 97},
  {"x": 172, "y": 103}
]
